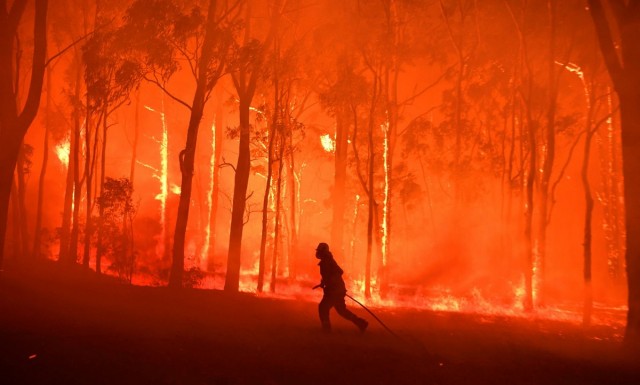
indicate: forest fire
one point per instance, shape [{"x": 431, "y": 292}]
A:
[
  {"x": 328, "y": 144},
  {"x": 457, "y": 157},
  {"x": 62, "y": 151}
]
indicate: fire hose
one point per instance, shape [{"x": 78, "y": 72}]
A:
[{"x": 368, "y": 311}]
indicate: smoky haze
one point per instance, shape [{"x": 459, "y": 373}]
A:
[{"x": 437, "y": 146}]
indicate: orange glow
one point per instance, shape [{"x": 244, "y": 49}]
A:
[
  {"x": 162, "y": 175},
  {"x": 435, "y": 124},
  {"x": 62, "y": 151},
  {"x": 385, "y": 199},
  {"x": 328, "y": 143},
  {"x": 204, "y": 254}
]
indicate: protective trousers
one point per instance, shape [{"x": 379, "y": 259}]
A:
[{"x": 336, "y": 300}]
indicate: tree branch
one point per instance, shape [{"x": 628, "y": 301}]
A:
[
  {"x": 166, "y": 91},
  {"x": 605, "y": 39}
]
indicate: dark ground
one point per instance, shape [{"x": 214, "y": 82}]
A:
[{"x": 70, "y": 327}]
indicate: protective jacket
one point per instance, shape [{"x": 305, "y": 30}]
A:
[{"x": 331, "y": 273}]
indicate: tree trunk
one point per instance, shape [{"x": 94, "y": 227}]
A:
[
  {"x": 276, "y": 238},
  {"x": 528, "y": 226},
  {"x": 187, "y": 156},
  {"x": 14, "y": 123},
  {"x": 588, "y": 211},
  {"x": 548, "y": 155},
  {"x": 630, "y": 118},
  {"x": 37, "y": 233},
  {"x": 65, "y": 230},
  {"x": 294, "y": 247},
  {"x": 241, "y": 182},
  {"x": 103, "y": 159},
  {"x": 88, "y": 172},
  {"x": 16, "y": 238},
  {"x": 215, "y": 192},
  {"x": 626, "y": 78},
  {"x": 22, "y": 207},
  {"x": 136, "y": 132},
  {"x": 75, "y": 153},
  {"x": 265, "y": 209},
  {"x": 339, "y": 189}
]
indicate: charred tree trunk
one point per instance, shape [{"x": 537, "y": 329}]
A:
[
  {"x": 339, "y": 189},
  {"x": 186, "y": 159},
  {"x": 88, "y": 177},
  {"x": 370, "y": 189},
  {"x": 103, "y": 152},
  {"x": 187, "y": 156},
  {"x": 15, "y": 123},
  {"x": 37, "y": 233},
  {"x": 21, "y": 172},
  {"x": 75, "y": 153},
  {"x": 276, "y": 238},
  {"x": 245, "y": 84},
  {"x": 549, "y": 154},
  {"x": 241, "y": 182},
  {"x": 265, "y": 209},
  {"x": 16, "y": 238},
  {"x": 625, "y": 74},
  {"x": 588, "y": 213},
  {"x": 294, "y": 247}
]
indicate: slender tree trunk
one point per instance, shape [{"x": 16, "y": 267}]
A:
[
  {"x": 241, "y": 182},
  {"x": 136, "y": 134},
  {"x": 16, "y": 244},
  {"x": 588, "y": 291},
  {"x": 339, "y": 189},
  {"x": 37, "y": 233},
  {"x": 265, "y": 209},
  {"x": 22, "y": 207},
  {"x": 187, "y": 156},
  {"x": 294, "y": 247},
  {"x": 75, "y": 153},
  {"x": 276, "y": 240},
  {"x": 528, "y": 229},
  {"x": 215, "y": 192},
  {"x": 371, "y": 194},
  {"x": 88, "y": 176},
  {"x": 549, "y": 154},
  {"x": 103, "y": 161}
]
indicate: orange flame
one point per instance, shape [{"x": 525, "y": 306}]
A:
[
  {"x": 328, "y": 143},
  {"x": 63, "y": 150}
]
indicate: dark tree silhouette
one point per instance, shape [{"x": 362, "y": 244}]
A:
[
  {"x": 15, "y": 121},
  {"x": 618, "y": 30}
]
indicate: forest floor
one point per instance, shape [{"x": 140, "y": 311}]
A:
[{"x": 72, "y": 327}]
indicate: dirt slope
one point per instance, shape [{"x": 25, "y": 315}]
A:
[{"x": 71, "y": 327}]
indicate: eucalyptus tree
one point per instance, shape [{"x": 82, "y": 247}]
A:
[
  {"x": 16, "y": 117},
  {"x": 618, "y": 31},
  {"x": 246, "y": 70},
  {"x": 159, "y": 35}
]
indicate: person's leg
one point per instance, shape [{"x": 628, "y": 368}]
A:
[
  {"x": 323, "y": 311},
  {"x": 341, "y": 308}
]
